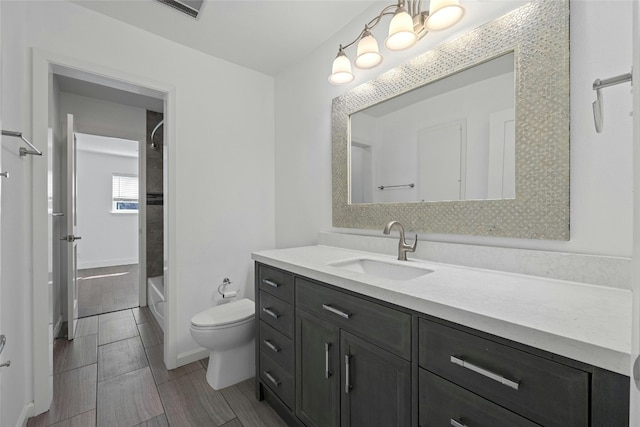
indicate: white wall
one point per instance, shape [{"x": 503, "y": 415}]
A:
[
  {"x": 222, "y": 199},
  {"x": 601, "y": 176},
  {"x": 104, "y": 118},
  {"x": 15, "y": 277},
  {"x": 108, "y": 238}
]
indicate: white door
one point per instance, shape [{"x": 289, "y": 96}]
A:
[
  {"x": 361, "y": 173},
  {"x": 441, "y": 162},
  {"x": 71, "y": 238},
  {"x": 502, "y": 155}
]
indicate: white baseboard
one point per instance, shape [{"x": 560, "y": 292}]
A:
[
  {"x": 192, "y": 356},
  {"x": 27, "y": 412},
  {"x": 106, "y": 263}
]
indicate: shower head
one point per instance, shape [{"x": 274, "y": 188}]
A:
[{"x": 153, "y": 133}]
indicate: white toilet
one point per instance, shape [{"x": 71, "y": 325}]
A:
[{"x": 227, "y": 331}]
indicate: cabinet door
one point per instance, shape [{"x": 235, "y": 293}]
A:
[
  {"x": 376, "y": 385},
  {"x": 317, "y": 371}
]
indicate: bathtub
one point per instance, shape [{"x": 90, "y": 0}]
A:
[{"x": 155, "y": 292}]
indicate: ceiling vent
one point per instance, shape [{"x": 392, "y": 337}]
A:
[{"x": 188, "y": 7}]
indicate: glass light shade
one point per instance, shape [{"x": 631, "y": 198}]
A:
[
  {"x": 444, "y": 14},
  {"x": 401, "y": 35},
  {"x": 368, "y": 55},
  {"x": 341, "y": 70}
]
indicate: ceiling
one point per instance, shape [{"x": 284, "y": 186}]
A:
[{"x": 264, "y": 35}]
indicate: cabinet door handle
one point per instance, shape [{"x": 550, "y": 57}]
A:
[
  {"x": 496, "y": 377},
  {"x": 336, "y": 311},
  {"x": 327, "y": 348},
  {"x": 347, "y": 375},
  {"x": 270, "y": 283},
  {"x": 271, "y": 345},
  {"x": 271, "y": 378},
  {"x": 455, "y": 423},
  {"x": 270, "y": 312}
]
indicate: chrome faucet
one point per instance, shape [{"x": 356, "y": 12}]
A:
[{"x": 403, "y": 247}]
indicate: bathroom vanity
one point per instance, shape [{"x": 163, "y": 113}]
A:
[{"x": 347, "y": 338}]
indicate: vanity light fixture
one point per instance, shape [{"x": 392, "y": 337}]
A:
[{"x": 405, "y": 29}]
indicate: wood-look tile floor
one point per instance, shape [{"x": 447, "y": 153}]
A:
[
  {"x": 106, "y": 289},
  {"x": 112, "y": 374}
]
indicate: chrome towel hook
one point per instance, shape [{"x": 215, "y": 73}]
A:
[
  {"x": 598, "y": 104},
  {"x": 23, "y": 151}
]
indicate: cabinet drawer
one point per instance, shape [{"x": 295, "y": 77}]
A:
[
  {"x": 539, "y": 389},
  {"x": 277, "y": 379},
  {"x": 277, "y": 346},
  {"x": 383, "y": 326},
  {"x": 276, "y": 313},
  {"x": 276, "y": 282},
  {"x": 443, "y": 403}
]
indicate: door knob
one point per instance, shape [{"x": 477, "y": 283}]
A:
[
  {"x": 71, "y": 238},
  {"x": 4, "y": 174}
]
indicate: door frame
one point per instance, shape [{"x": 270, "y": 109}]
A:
[{"x": 44, "y": 63}]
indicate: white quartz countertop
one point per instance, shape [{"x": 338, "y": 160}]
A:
[{"x": 588, "y": 323}]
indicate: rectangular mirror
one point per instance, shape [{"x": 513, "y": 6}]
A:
[
  {"x": 452, "y": 139},
  {"x": 515, "y": 187}
]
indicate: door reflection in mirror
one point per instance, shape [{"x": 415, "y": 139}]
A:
[{"x": 454, "y": 138}]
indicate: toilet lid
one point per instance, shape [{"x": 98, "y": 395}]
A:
[{"x": 224, "y": 314}]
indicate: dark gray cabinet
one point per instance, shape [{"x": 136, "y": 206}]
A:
[
  {"x": 326, "y": 357},
  {"x": 376, "y": 385},
  {"x": 342, "y": 379},
  {"x": 274, "y": 337},
  {"x": 443, "y": 403},
  {"x": 317, "y": 371},
  {"x": 546, "y": 392}
]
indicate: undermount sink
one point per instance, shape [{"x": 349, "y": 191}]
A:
[{"x": 385, "y": 269}]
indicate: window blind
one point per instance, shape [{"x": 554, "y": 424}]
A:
[{"x": 125, "y": 188}]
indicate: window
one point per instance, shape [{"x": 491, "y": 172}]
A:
[{"x": 124, "y": 193}]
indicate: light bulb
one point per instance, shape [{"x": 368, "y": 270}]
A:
[
  {"x": 368, "y": 55},
  {"x": 401, "y": 35},
  {"x": 444, "y": 14},
  {"x": 341, "y": 70}
]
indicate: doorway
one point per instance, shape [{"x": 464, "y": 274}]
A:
[
  {"x": 48, "y": 69},
  {"x": 107, "y": 210}
]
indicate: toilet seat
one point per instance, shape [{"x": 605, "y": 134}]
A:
[{"x": 225, "y": 315}]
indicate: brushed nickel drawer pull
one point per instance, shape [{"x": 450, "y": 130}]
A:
[
  {"x": 336, "y": 311},
  {"x": 270, "y": 312},
  {"x": 347, "y": 375},
  {"x": 455, "y": 423},
  {"x": 327, "y": 348},
  {"x": 272, "y": 346},
  {"x": 270, "y": 283},
  {"x": 271, "y": 378},
  {"x": 496, "y": 377}
]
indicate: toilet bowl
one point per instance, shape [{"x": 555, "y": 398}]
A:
[{"x": 227, "y": 331}]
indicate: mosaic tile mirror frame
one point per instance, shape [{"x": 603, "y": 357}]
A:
[{"x": 538, "y": 34}]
